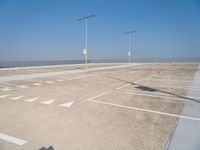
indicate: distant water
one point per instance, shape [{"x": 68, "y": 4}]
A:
[{"x": 12, "y": 64}]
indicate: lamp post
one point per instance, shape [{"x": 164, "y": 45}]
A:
[
  {"x": 130, "y": 33},
  {"x": 85, "y": 51}
]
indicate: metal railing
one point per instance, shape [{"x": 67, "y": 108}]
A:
[{"x": 12, "y": 64}]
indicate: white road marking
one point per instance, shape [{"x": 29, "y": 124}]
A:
[
  {"x": 3, "y": 96},
  {"x": 37, "y": 84},
  {"x": 59, "y": 80},
  {"x": 173, "y": 86},
  {"x": 6, "y": 89},
  {"x": 138, "y": 81},
  {"x": 147, "y": 92},
  {"x": 49, "y": 82},
  {"x": 22, "y": 86},
  {"x": 16, "y": 98},
  {"x": 150, "y": 95},
  {"x": 145, "y": 110},
  {"x": 100, "y": 95},
  {"x": 167, "y": 84},
  {"x": 160, "y": 94},
  {"x": 31, "y": 99},
  {"x": 122, "y": 86},
  {"x": 175, "y": 77},
  {"x": 168, "y": 80},
  {"x": 68, "y": 105},
  {"x": 12, "y": 139},
  {"x": 48, "y": 102}
]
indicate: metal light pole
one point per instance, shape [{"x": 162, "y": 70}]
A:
[
  {"x": 85, "y": 51},
  {"x": 130, "y": 44}
]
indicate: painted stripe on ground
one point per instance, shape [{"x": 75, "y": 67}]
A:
[
  {"x": 99, "y": 95},
  {"x": 140, "y": 80},
  {"x": 68, "y": 105},
  {"x": 59, "y": 80},
  {"x": 150, "y": 95},
  {"x": 48, "y": 102},
  {"x": 16, "y": 98},
  {"x": 145, "y": 110},
  {"x": 159, "y": 94},
  {"x": 168, "y": 80},
  {"x": 31, "y": 99},
  {"x": 3, "y": 96},
  {"x": 23, "y": 86},
  {"x": 173, "y": 86},
  {"x": 6, "y": 89},
  {"x": 49, "y": 82},
  {"x": 37, "y": 84},
  {"x": 12, "y": 139},
  {"x": 122, "y": 86}
]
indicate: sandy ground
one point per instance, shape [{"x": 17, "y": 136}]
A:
[{"x": 88, "y": 124}]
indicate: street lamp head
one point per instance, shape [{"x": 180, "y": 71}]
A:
[
  {"x": 86, "y": 17},
  {"x": 130, "y": 32}
]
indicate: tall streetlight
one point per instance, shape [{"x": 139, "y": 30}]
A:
[
  {"x": 85, "y": 51},
  {"x": 130, "y": 33}
]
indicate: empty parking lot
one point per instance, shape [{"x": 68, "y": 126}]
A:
[{"x": 112, "y": 106}]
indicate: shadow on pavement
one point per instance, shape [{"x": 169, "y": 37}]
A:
[
  {"x": 150, "y": 89},
  {"x": 49, "y": 148}
]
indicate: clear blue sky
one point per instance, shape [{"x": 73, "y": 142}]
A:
[{"x": 48, "y": 29}]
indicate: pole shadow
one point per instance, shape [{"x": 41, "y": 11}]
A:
[
  {"x": 150, "y": 89},
  {"x": 44, "y": 148}
]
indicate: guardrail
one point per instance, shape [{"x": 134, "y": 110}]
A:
[{"x": 12, "y": 64}]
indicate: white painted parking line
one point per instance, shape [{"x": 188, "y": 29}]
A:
[
  {"x": 59, "y": 80},
  {"x": 23, "y": 86},
  {"x": 68, "y": 105},
  {"x": 12, "y": 139},
  {"x": 138, "y": 81},
  {"x": 174, "y": 77},
  {"x": 145, "y": 110},
  {"x": 150, "y": 95},
  {"x": 122, "y": 86},
  {"x": 16, "y": 98},
  {"x": 6, "y": 89},
  {"x": 37, "y": 84},
  {"x": 147, "y": 92},
  {"x": 3, "y": 96},
  {"x": 172, "y": 86},
  {"x": 48, "y": 102},
  {"x": 49, "y": 82},
  {"x": 167, "y": 80},
  {"x": 99, "y": 95},
  {"x": 31, "y": 99},
  {"x": 166, "y": 84}
]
